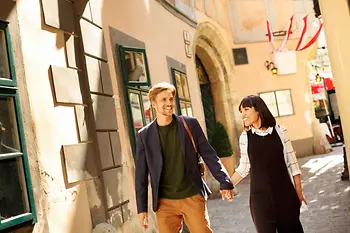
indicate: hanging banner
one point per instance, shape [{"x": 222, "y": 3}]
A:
[
  {"x": 270, "y": 35},
  {"x": 287, "y": 35},
  {"x": 313, "y": 40},
  {"x": 303, "y": 33}
]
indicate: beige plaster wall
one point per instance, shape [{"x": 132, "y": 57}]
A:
[
  {"x": 255, "y": 78},
  {"x": 60, "y": 208},
  {"x": 162, "y": 34}
]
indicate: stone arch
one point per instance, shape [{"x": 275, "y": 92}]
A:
[{"x": 216, "y": 57}]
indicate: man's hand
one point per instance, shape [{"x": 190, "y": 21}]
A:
[
  {"x": 228, "y": 194},
  {"x": 143, "y": 220}
]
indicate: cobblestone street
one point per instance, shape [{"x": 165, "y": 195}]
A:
[{"x": 328, "y": 199}]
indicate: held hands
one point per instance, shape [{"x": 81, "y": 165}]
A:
[
  {"x": 227, "y": 194},
  {"x": 143, "y": 217}
]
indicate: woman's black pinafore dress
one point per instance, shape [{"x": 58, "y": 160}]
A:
[{"x": 274, "y": 203}]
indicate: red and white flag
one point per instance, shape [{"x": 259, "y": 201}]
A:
[
  {"x": 303, "y": 33},
  {"x": 287, "y": 35},
  {"x": 314, "y": 39},
  {"x": 270, "y": 35}
]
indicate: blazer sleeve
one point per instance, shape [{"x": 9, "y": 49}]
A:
[
  {"x": 141, "y": 176},
  {"x": 211, "y": 159}
]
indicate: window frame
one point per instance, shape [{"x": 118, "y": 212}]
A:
[
  {"x": 276, "y": 101},
  {"x": 133, "y": 87},
  {"x": 8, "y": 82},
  {"x": 122, "y": 50},
  {"x": 8, "y": 89},
  {"x": 178, "y": 100}
]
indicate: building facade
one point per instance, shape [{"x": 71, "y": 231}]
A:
[{"x": 74, "y": 82}]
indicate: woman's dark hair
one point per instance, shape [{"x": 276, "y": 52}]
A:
[{"x": 254, "y": 101}]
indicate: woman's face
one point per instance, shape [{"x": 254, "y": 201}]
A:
[{"x": 250, "y": 116}]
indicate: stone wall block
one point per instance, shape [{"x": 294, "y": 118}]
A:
[
  {"x": 81, "y": 120},
  {"x": 106, "y": 78},
  {"x": 66, "y": 85},
  {"x": 70, "y": 42},
  {"x": 96, "y": 10},
  {"x": 59, "y": 14},
  {"x": 126, "y": 212},
  {"x": 94, "y": 74},
  {"x": 80, "y": 161},
  {"x": 104, "y": 146},
  {"x": 115, "y": 217},
  {"x": 104, "y": 112},
  {"x": 97, "y": 207},
  {"x": 116, "y": 187},
  {"x": 116, "y": 148},
  {"x": 93, "y": 40}
]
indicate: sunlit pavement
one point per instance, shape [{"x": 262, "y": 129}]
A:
[{"x": 328, "y": 198}]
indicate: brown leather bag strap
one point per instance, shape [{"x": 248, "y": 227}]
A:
[{"x": 189, "y": 133}]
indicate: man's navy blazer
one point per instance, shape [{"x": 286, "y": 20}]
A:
[{"x": 149, "y": 160}]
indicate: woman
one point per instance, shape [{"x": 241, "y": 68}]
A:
[{"x": 275, "y": 187}]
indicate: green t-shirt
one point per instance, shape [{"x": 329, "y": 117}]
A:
[{"x": 174, "y": 182}]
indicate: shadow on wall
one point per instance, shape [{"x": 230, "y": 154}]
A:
[
  {"x": 82, "y": 163},
  {"x": 6, "y": 8},
  {"x": 68, "y": 203}
]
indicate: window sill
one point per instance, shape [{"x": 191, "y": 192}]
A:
[{"x": 11, "y": 222}]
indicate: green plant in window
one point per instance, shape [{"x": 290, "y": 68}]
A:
[{"x": 220, "y": 141}]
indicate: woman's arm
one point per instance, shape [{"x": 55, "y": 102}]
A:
[
  {"x": 236, "y": 178},
  {"x": 299, "y": 189},
  {"x": 244, "y": 163}
]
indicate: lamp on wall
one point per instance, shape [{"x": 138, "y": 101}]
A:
[{"x": 271, "y": 66}]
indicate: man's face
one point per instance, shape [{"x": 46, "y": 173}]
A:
[{"x": 164, "y": 103}]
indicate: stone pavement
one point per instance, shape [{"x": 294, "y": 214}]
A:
[{"x": 328, "y": 198}]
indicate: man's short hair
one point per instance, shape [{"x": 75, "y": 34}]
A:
[{"x": 159, "y": 87}]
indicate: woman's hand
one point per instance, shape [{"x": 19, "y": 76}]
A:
[
  {"x": 301, "y": 196},
  {"x": 299, "y": 189}
]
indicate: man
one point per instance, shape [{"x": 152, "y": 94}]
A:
[{"x": 165, "y": 151}]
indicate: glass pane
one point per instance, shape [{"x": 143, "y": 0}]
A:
[
  {"x": 183, "y": 108},
  {"x": 136, "y": 111},
  {"x": 147, "y": 109},
  {"x": 185, "y": 86},
  {"x": 270, "y": 101},
  {"x": 9, "y": 137},
  {"x": 13, "y": 192},
  {"x": 4, "y": 65},
  {"x": 135, "y": 66},
  {"x": 178, "y": 84},
  {"x": 189, "y": 110},
  {"x": 284, "y": 101}
]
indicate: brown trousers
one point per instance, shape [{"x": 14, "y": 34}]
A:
[{"x": 192, "y": 209}]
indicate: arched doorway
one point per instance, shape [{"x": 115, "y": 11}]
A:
[
  {"x": 214, "y": 65},
  {"x": 207, "y": 98}
]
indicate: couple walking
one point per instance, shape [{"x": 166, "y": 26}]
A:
[{"x": 168, "y": 149}]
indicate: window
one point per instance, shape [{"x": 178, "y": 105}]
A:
[
  {"x": 135, "y": 73},
  {"x": 184, "y": 106},
  {"x": 16, "y": 197},
  {"x": 279, "y": 102}
]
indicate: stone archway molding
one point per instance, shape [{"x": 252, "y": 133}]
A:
[{"x": 216, "y": 56}]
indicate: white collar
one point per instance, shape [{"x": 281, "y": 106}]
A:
[{"x": 260, "y": 131}]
